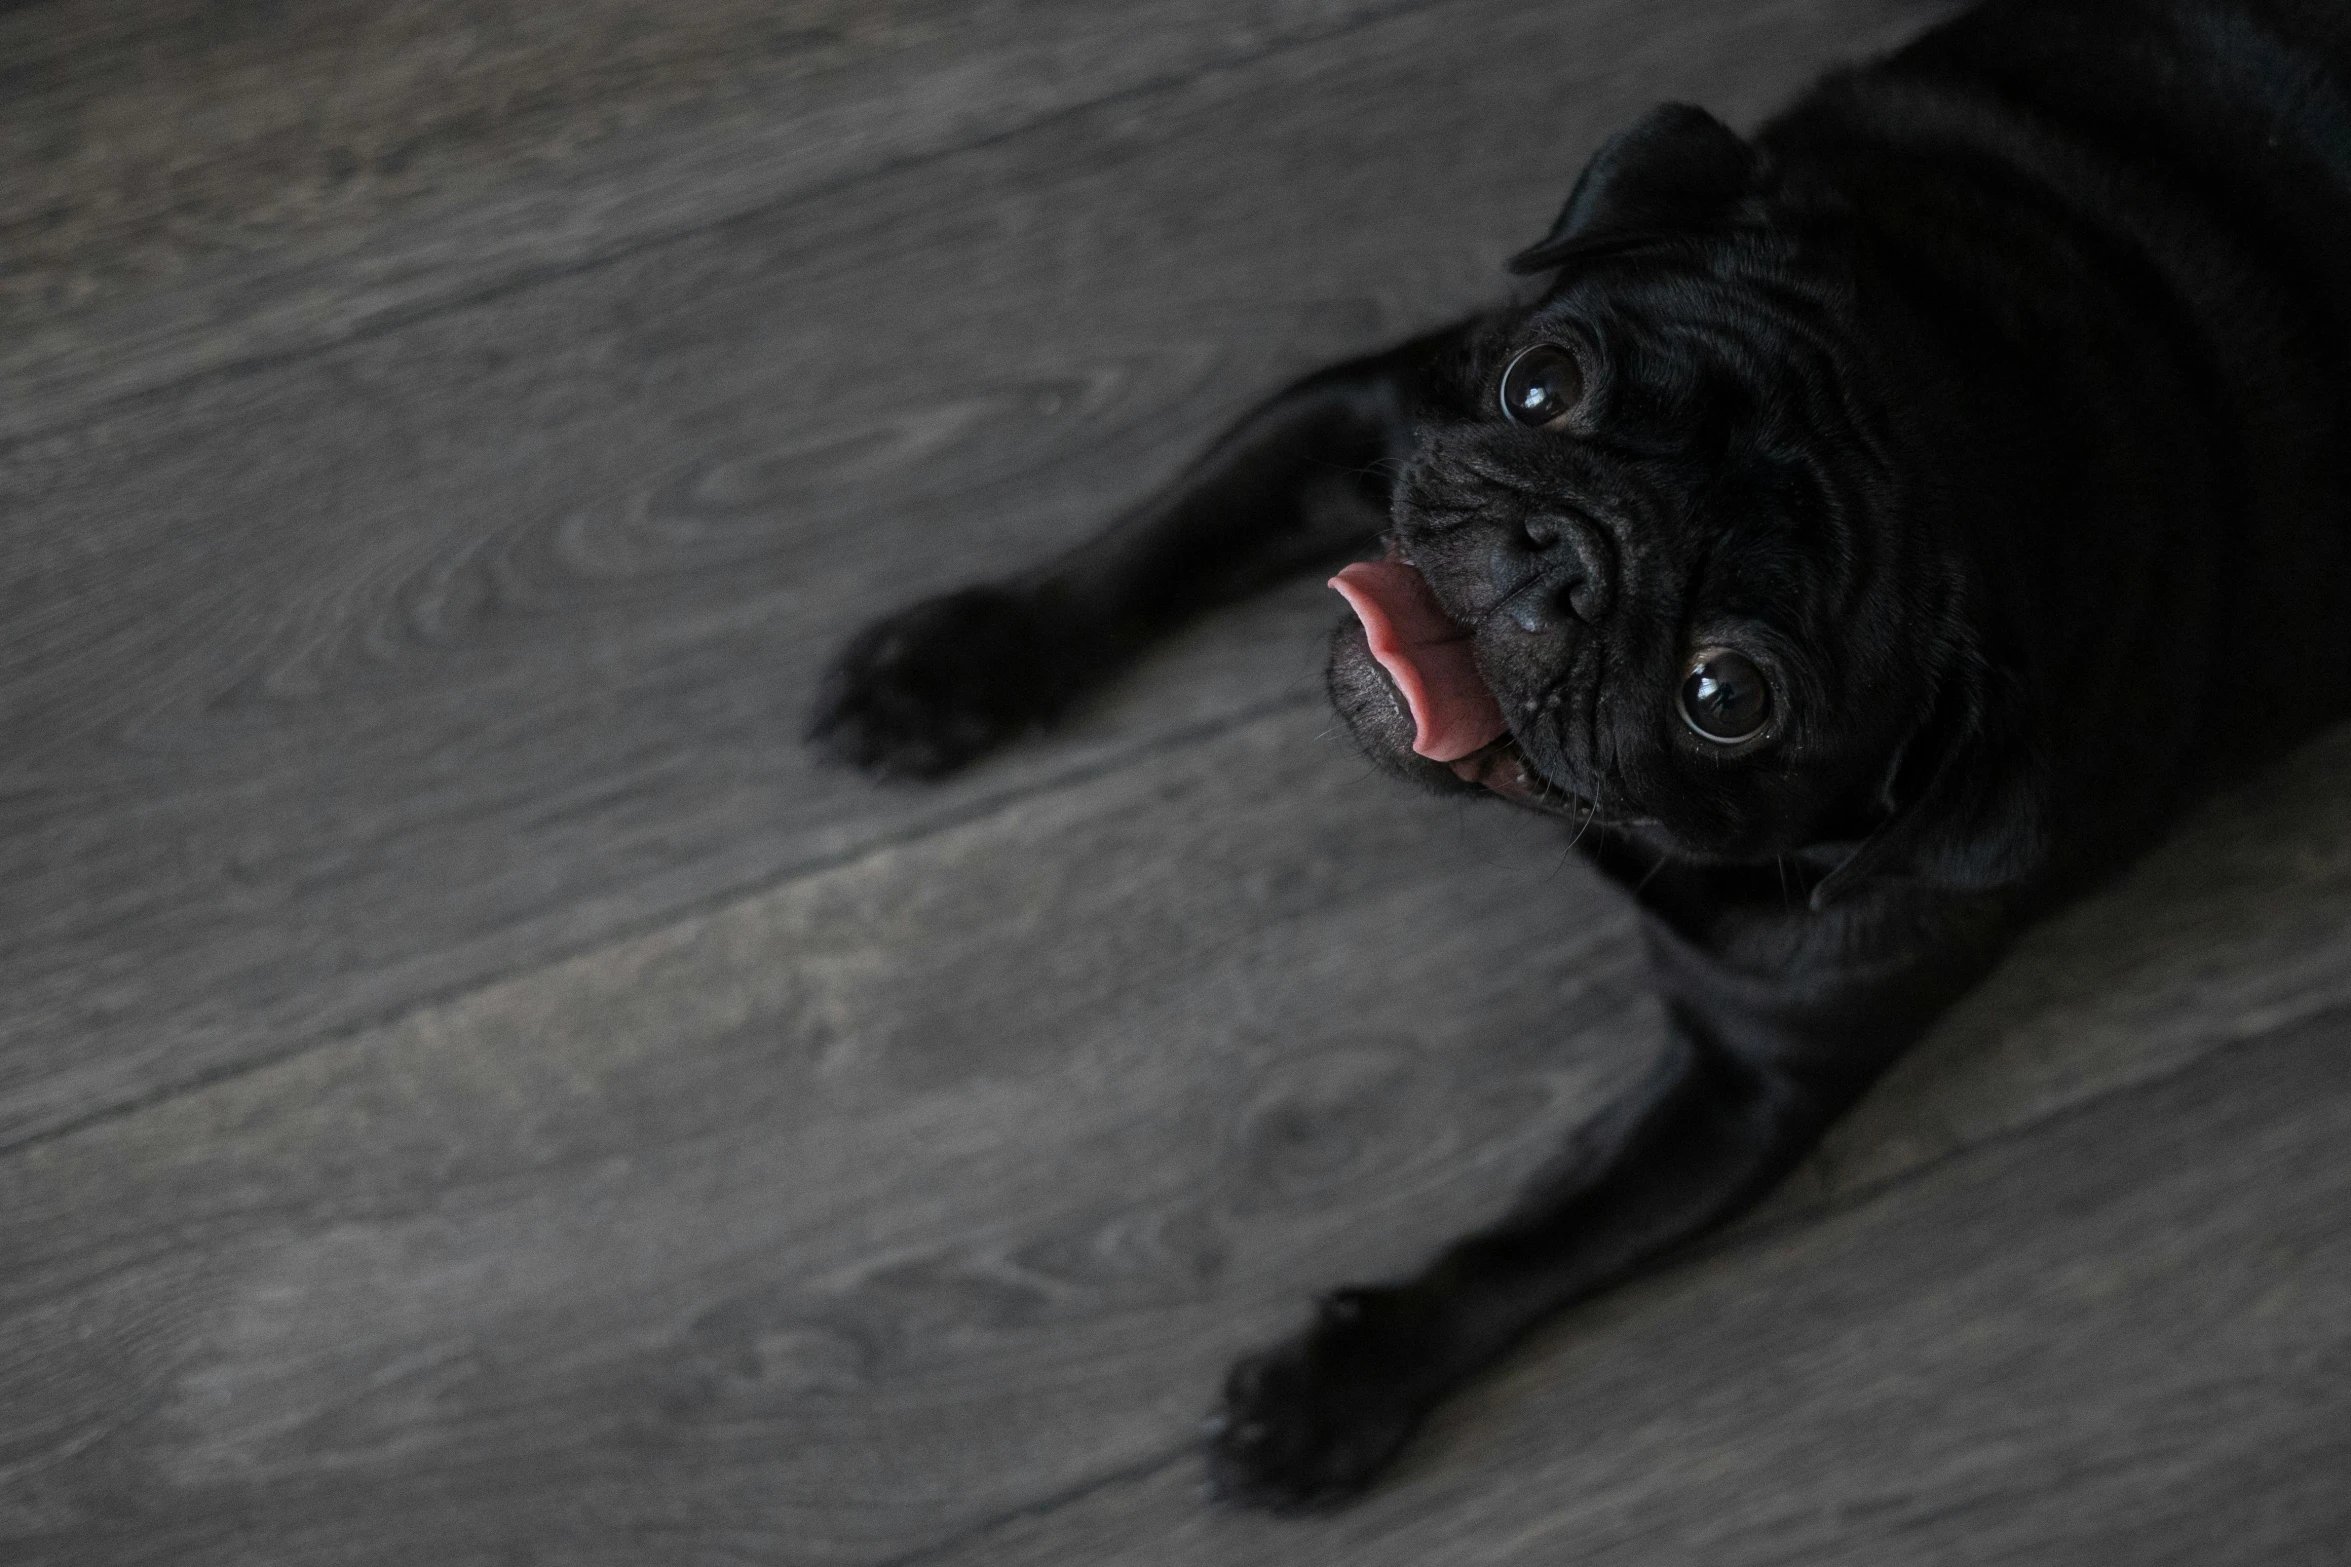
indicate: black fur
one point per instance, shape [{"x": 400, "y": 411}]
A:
[{"x": 1993, "y": 400}]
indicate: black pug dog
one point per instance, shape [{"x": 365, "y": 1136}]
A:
[{"x": 1872, "y": 534}]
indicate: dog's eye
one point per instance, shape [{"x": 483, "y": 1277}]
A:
[
  {"x": 1541, "y": 386},
  {"x": 1725, "y": 698}
]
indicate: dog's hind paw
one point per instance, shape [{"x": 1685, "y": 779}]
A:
[
  {"x": 922, "y": 692},
  {"x": 1307, "y": 1424}
]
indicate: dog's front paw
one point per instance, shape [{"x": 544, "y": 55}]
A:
[
  {"x": 1309, "y": 1422},
  {"x": 920, "y": 693}
]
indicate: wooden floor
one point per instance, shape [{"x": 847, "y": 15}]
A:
[{"x": 472, "y": 1089}]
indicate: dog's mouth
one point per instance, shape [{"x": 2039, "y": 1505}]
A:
[
  {"x": 1502, "y": 768},
  {"x": 1427, "y": 654},
  {"x": 1427, "y": 657}
]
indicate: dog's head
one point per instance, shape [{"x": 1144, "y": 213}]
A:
[{"x": 1663, "y": 553}]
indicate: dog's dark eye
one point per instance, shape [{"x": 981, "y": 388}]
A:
[
  {"x": 1541, "y": 386},
  {"x": 1725, "y": 697}
]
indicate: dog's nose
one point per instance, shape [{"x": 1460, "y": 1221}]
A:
[{"x": 1575, "y": 574}]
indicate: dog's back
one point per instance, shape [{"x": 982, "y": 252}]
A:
[{"x": 2147, "y": 203}]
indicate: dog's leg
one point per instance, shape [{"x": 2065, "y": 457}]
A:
[
  {"x": 1308, "y": 1422},
  {"x": 1755, "y": 1074},
  {"x": 1301, "y": 480}
]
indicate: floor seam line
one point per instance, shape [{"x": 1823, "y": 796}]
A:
[
  {"x": 527, "y": 278},
  {"x": 975, "y": 811},
  {"x": 1043, "y": 1507},
  {"x": 1739, "y": 1238},
  {"x": 1725, "y": 1244}
]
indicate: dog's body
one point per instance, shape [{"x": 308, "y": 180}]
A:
[{"x": 1872, "y": 535}]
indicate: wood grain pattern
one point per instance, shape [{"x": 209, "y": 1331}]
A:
[
  {"x": 197, "y": 183},
  {"x": 860, "y": 1216},
  {"x": 146, "y": 137},
  {"x": 373, "y": 673},
  {"x": 823, "y": 1225},
  {"x": 201, "y": 187},
  {"x": 2120, "y": 1338},
  {"x": 471, "y": 1091}
]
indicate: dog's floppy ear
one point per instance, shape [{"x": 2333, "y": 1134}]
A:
[{"x": 1675, "y": 169}]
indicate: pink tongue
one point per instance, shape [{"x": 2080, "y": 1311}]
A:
[{"x": 1453, "y": 713}]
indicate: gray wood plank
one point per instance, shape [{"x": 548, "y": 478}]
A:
[
  {"x": 854, "y": 1217},
  {"x": 361, "y": 677},
  {"x": 911, "y": 1204},
  {"x": 823, "y": 1226},
  {"x": 197, "y": 187},
  {"x": 258, "y": 180},
  {"x": 2118, "y": 1338}
]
